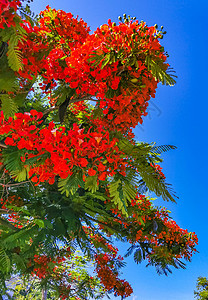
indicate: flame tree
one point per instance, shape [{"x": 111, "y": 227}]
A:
[{"x": 72, "y": 176}]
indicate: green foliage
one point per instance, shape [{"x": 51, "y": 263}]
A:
[
  {"x": 121, "y": 191},
  {"x": 3, "y": 49},
  {"x": 8, "y": 83},
  {"x": 143, "y": 250},
  {"x": 13, "y": 35},
  {"x": 14, "y": 57},
  {"x": 166, "y": 77},
  {"x": 71, "y": 184},
  {"x": 20, "y": 238},
  {"x": 12, "y": 158},
  {"x": 162, "y": 148},
  {"x": 4, "y": 261},
  {"x": 158, "y": 68},
  {"x": 63, "y": 92},
  {"x": 151, "y": 181},
  {"x": 8, "y": 105},
  {"x": 115, "y": 190},
  {"x": 76, "y": 273},
  {"x": 145, "y": 176},
  {"x": 201, "y": 292},
  {"x": 20, "y": 175},
  {"x": 18, "y": 261},
  {"x": 91, "y": 184}
]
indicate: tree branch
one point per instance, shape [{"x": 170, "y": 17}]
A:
[
  {"x": 6, "y": 211},
  {"x": 2, "y": 145},
  {"x": 47, "y": 111},
  {"x": 14, "y": 184}
]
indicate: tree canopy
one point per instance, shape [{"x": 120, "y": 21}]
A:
[
  {"x": 72, "y": 175},
  {"x": 202, "y": 289}
]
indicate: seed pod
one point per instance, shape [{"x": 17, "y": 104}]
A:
[{"x": 134, "y": 80}]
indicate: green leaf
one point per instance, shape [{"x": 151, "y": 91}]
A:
[
  {"x": 39, "y": 222},
  {"x": 8, "y": 105},
  {"x": 106, "y": 60},
  {"x": 138, "y": 256},
  {"x": 13, "y": 35},
  {"x": 158, "y": 71},
  {"x": 21, "y": 175},
  {"x": 91, "y": 184},
  {"x": 4, "y": 261},
  {"x": 20, "y": 238},
  {"x": 143, "y": 154},
  {"x": 12, "y": 158},
  {"x": 8, "y": 82},
  {"x": 163, "y": 148},
  {"x": 14, "y": 58},
  {"x": 71, "y": 184},
  {"x": 117, "y": 196},
  {"x": 18, "y": 261}
]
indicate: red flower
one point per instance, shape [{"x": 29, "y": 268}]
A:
[{"x": 91, "y": 172}]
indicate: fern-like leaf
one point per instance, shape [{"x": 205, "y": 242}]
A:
[
  {"x": 12, "y": 159},
  {"x": 166, "y": 77},
  {"x": 14, "y": 58},
  {"x": 20, "y": 237},
  {"x": 8, "y": 105},
  {"x": 19, "y": 262},
  {"x": 4, "y": 261},
  {"x": 143, "y": 155},
  {"x": 21, "y": 175},
  {"x": 118, "y": 196},
  {"x": 91, "y": 184},
  {"x": 163, "y": 148},
  {"x": 12, "y": 36},
  {"x": 71, "y": 184}
]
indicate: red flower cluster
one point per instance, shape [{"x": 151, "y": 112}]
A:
[
  {"x": 59, "y": 271},
  {"x": 68, "y": 32},
  {"x": 109, "y": 276},
  {"x": 96, "y": 65},
  {"x": 91, "y": 152},
  {"x": 105, "y": 263},
  {"x": 7, "y": 12},
  {"x": 42, "y": 268},
  {"x": 10, "y": 214},
  {"x": 158, "y": 169},
  {"x": 144, "y": 215},
  {"x": 109, "y": 66}
]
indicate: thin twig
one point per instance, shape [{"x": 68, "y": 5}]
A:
[
  {"x": 47, "y": 111},
  {"x": 13, "y": 184},
  {"x": 2, "y": 145},
  {"x": 7, "y": 211}
]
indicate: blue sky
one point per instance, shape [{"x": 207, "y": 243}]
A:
[{"x": 177, "y": 116}]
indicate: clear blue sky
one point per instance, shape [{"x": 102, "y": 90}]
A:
[{"x": 179, "y": 118}]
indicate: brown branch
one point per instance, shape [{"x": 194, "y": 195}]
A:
[
  {"x": 13, "y": 184},
  {"x": 47, "y": 111},
  {"x": 6, "y": 211},
  {"x": 2, "y": 145},
  {"x": 101, "y": 223}
]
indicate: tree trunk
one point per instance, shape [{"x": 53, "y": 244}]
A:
[{"x": 44, "y": 294}]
